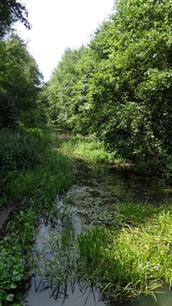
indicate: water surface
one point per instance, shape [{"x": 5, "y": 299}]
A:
[{"x": 106, "y": 187}]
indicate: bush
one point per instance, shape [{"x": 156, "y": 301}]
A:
[
  {"x": 21, "y": 149},
  {"x": 28, "y": 165}
]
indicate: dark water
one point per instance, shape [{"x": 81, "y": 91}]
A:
[
  {"x": 117, "y": 186},
  {"x": 43, "y": 297},
  {"x": 128, "y": 186},
  {"x": 160, "y": 299},
  {"x": 75, "y": 297},
  {"x": 40, "y": 293}
]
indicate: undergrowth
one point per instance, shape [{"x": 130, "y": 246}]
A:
[
  {"x": 33, "y": 181},
  {"x": 132, "y": 254},
  {"x": 87, "y": 148}
]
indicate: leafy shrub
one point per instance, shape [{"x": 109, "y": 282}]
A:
[
  {"x": 120, "y": 85},
  {"x": 20, "y": 149},
  {"x": 38, "y": 187},
  {"x": 14, "y": 247}
]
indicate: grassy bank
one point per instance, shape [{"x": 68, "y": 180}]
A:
[
  {"x": 134, "y": 258},
  {"x": 126, "y": 248},
  {"x": 32, "y": 174},
  {"x": 124, "y": 260},
  {"x": 129, "y": 252},
  {"x": 88, "y": 148}
]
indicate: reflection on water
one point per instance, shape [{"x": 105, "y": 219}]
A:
[
  {"x": 44, "y": 293},
  {"x": 39, "y": 295},
  {"x": 124, "y": 184},
  {"x": 128, "y": 186},
  {"x": 107, "y": 187},
  {"x": 160, "y": 299}
]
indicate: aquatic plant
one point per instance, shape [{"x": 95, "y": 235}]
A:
[
  {"x": 38, "y": 187},
  {"x": 135, "y": 259}
]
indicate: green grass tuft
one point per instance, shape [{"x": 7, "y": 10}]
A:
[
  {"x": 87, "y": 148},
  {"x": 34, "y": 182},
  {"x": 135, "y": 259}
]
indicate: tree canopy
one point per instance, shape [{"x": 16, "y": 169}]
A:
[
  {"x": 120, "y": 85},
  {"x": 20, "y": 82},
  {"x": 10, "y": 12}
]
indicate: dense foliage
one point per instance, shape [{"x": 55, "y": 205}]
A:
[
  {"x": 66, "y": 90},
  {"x": 120, "y": 85},
  {"x": 10, "y": 12},
  {"x": 31, "y": 175},
  {"x": 20, "y": 82},
  {"x": 118, "y": 90},
  {"x": 30, "y": 172}
]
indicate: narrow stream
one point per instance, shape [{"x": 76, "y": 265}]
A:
[
  {"x": 41, "y": 291},
  {"x": 52, "y": 250}
]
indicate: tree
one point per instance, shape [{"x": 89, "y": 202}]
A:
[
  {"x": 20, "y": 82},
  {"x": 62, "y": 89},
  {"x": 132, "y": 84},
  {"x": 121, "y": 85},
  {"x": 10, "y": 12}
]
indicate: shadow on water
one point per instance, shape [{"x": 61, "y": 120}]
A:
[
  {"x": 129, "y": 186},
  {"x": 105, "y": 186}
]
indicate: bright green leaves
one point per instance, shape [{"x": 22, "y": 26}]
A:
[
  {"x": 67, "y": 89},
  {"x": 120, "y": 87}
]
